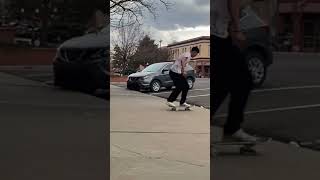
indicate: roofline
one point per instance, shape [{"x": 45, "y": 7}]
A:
[{"x": 190, "y": 40}]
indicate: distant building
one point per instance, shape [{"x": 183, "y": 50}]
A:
[
  {"x": 201, "y": 63},
  {"x": 299, "y": 22}
]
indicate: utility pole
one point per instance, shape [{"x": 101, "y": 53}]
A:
[{"x": 160, "y": 43}]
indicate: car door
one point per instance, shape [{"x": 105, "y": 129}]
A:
[{"x": 166, "y": 79}]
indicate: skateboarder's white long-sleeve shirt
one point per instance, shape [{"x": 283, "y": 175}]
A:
[{"x": 183, "y": 59}]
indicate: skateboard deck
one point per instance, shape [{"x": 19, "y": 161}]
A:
[{"x": 244, "y": 147}]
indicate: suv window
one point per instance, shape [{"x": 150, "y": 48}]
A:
[
  {"x": 189, "y": 67},
  {"x": 167, "y": 67}
]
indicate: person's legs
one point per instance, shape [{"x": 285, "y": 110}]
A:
[
  {"x": 239, "y": 91},
  {"x": 218, "y": 75},
  {"x": 185, "y": 89},
  {"x": 177, "y": 83},
  {"x": 238, "y": 101}
]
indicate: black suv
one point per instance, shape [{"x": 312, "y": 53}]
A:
[
  {"x": 258, "y": 51},
  {"x": 82, "y": 63}
]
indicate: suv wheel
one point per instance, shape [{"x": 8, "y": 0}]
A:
[
  {"x": 257, "y": 68},
  {"x": 190, "y": 82},
  {"x": 155, "y": 86}
]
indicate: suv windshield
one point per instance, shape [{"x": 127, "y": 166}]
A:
[
  {"x": 249, "y": 19},
  {"x": 153, "y": 67}
]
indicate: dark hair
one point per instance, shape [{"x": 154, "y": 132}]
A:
[{"x": 196, "y": 49}]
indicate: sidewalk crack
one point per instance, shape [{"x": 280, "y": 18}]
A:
[{"x": 156, "y": 157}]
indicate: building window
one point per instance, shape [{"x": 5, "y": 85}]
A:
[{"x": 200, "y": 49}]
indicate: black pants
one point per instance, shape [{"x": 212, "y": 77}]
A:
[
  {"x": 229, "y": 76},
  {"x": 181, "y": 84}
]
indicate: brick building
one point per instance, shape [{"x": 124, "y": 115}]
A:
[{"x": 299, "y": 23}]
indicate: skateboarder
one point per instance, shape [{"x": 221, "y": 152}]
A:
[
  {"x": 229, "y": 71},
  {"x": 178, "y": 75}
]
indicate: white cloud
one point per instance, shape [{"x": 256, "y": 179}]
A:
[
  {"x": 185, "y": 20},
  {"x": 179, "y": 34}
]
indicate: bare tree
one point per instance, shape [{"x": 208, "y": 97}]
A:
[
  {"x": 125, "y": 40},
  {"x": 134, "y": 10}
]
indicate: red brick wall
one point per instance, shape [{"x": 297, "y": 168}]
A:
[{"x": 26, "y": 56}]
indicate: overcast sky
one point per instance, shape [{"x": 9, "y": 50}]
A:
[{"x": 184, "y": 20}]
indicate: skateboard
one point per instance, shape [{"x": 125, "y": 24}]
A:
[
  {"x": 178, "y": 108},
  {"x": 245, "y": 147}
]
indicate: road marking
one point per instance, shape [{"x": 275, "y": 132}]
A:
[
  {"x": 203, "y": 95},
  {"x": 286, "y": 88},
  {"x": 254, "y": 91},
  {"x": 276, "y": 109},
  {"x": 189, "y": 91}
]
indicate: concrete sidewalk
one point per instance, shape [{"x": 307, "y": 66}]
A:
[
  {"x": 48, "y": 133},
  {"x": 150, "y": 142}
]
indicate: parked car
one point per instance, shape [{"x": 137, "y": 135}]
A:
[
  {"x": 258, "y": 49},
  {"x": 81, "y": 63},
  {"x": 156, "y": 76}
]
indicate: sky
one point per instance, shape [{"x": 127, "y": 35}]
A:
[{"x": 184, "y": 20}]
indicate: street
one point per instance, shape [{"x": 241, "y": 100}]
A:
[
  {"x": 199, "y": 95},
  {"x": 36, "y": 73}
]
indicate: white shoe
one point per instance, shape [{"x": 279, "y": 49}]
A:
[
  {"x": 240, "y": 135},
  {"x": 170, "y": 104},
  {"x": 185, "y": 105}
]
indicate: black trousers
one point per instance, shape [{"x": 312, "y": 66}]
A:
[
  {"x": 181, "y": 84},
  {"x": 229, "y": 76}
]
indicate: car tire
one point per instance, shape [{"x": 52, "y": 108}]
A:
[
  {"x": 155, "y": 86},
  {"x": 190, "y": 82},
  {"x": 257, "y": 68}
]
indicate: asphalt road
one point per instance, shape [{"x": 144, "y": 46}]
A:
[
  {"x": 199, "y": 95},
  {"x": 36, "y": 73},
  {"x": 287, "y": 107}
]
